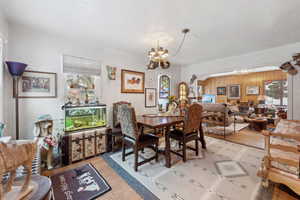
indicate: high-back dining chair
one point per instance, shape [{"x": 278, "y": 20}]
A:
[
  {"x": 190, "y": 132},
  {"x": 116, "y": 132},
  {"x": 134, "y": 138}
]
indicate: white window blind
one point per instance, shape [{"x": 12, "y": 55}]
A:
[{"x": 79, "y": 65}]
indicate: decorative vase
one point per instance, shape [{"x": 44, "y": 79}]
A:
[{"x": 2, "y": 126}]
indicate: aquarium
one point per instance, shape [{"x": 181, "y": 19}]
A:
[{"x": 84, "y": 117}]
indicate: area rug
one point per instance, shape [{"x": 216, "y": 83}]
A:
[
  {"x": 228, "y": 130},
  {"x": 199, "y": 178},
  {"x": 83, "y": 182}
]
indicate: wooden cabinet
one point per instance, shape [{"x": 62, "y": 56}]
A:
[{"x": 84, "y": 144}]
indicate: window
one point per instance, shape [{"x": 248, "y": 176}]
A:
[
  {"x": 164, "y": 87},
  {"x": 276, "y": 92}
]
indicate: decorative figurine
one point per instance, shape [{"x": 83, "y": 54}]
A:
[
  {"x": 86, "y": 101},
  {"x": 111, "y": 72},
  {"x": 11, "y": 157}
]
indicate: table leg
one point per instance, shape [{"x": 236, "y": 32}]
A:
[
  {"x": 202, "y": 140},
  {"x": 167, "y": 150}
]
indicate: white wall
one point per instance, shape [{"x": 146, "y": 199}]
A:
[
  {"x": 43, "y": 52},
  {"x": 269, "y": 57},
  {"x": 3, "y": 39}
]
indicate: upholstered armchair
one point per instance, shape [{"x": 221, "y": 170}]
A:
[
  {"x": 189, "y": 133},
  {"x": 282, "y": 160},
  {"x": 134, "y": 138},
  {"x": 217, "y": 115}
]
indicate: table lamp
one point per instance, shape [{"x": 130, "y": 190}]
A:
[{"x": 16, "y": 69}]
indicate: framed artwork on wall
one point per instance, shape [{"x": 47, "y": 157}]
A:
[
  {"x": 234, "y": 92},
  {"x": 34, "y": 84},
  {"x": 252, "y": 90},
  {"x": 150, "y": 97},
  {"x": 221, "y": 90},
  {"x": 132, "y": 81}
]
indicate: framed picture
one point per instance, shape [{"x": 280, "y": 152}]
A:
[
  {"x": 234, "y": 92},
  {"x": 252, "y": 90},
  {"x": 221, "y": 90},
  {"x": 132, "y": 81},
  {"x": 34, "y": 84},
  {"x": 150, "y": 97}
]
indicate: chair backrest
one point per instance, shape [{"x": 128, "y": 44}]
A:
[
  {"x": 192, "y": 118},
  {"x": 116, "y": 121},
  {"x": 128, "y": 121}
]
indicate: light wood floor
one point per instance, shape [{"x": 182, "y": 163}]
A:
[
  {"x": 246, "y": 137},
  {"x": 281, "y": 195},
  {"x": 120, "y": 189}
]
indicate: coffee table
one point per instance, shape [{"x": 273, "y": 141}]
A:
[{"x": 258, "y": 124}]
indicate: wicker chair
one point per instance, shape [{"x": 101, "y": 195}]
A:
[
  {"x": 133, "y": 137},
  {"x": 282, "y": 161},
  {"x": 189, "y": 133}
]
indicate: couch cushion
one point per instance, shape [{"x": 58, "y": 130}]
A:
[{"x": 288, "y": 127}]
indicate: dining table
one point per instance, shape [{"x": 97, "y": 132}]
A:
[{"x": 157, "y": 122}]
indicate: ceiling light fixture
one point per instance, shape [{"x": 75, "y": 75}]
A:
[
  {"x": 290, "y": 66},
  {"x": 158, "y": 56}
]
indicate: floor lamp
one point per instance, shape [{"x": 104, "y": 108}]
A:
[{"x": 16, "y": 69}]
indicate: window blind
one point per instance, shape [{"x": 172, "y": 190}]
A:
[{"x": 79, "y": 65}]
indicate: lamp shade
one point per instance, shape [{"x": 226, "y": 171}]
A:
[{"x": 16, "y": 68}]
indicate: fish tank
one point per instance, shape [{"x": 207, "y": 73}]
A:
[{"x": 84, "y": 117}]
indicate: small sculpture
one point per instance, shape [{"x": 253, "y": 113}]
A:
[
  {"x": 111, "y": 72},
  {"x": 11, "y": 157}
]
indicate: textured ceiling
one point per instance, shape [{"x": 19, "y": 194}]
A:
[{"x": 220, "y": 28}]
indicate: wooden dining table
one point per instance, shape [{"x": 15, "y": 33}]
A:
[{"x": 157, "y": 122}]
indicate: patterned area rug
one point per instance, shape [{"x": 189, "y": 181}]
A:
[
  {"x": 229, "y": 130},
  {"x": 225, "y": 171},
  {"x": 83, "y": 182}
]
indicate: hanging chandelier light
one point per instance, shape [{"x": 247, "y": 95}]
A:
[
  {"x": 158, "y": 56},
  {"x": 290, "y": 66}
]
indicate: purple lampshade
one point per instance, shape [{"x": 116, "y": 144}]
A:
[{"x": 16, "y": 68}]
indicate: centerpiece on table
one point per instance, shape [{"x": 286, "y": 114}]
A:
[{"x": 172, "y": 106}]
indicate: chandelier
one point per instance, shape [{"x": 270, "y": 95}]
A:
[
  {"x": 290, "y": 66},
  {"x": 158, "y": 57}
]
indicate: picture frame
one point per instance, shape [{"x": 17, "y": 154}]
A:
[
  {"x": 234, "y": 91},
  {"x": 150, "y": 97},
  {"x": 221, "y": 90},
  {"x": 132, "y": 81},
  {"x": 36, "y": 84},
  {"x": 252, "y": 90}
]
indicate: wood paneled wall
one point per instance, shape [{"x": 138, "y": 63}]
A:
[{"x": 244, "y": 80}]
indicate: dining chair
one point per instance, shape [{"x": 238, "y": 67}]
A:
[
  {"x": 190, "y": 132},
  {"x": 116, "y": 132},
  {"x": 134, "y": 138}
]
